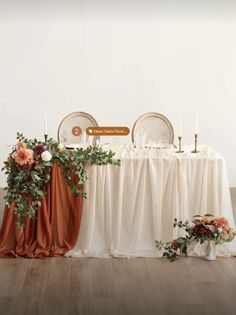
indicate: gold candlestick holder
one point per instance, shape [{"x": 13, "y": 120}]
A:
[
  {"x": 180, "y": 145},
  {"x": 195, "y": 143},
  {"x": 45, "y": 138}
]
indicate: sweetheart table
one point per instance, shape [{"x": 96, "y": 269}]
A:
[
  {"x": 127, "y": 208},
  {"x": 130, "y": 206}
]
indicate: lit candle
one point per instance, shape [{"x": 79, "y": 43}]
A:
[
  {"x": 180, "y": 124},
  {"x": 196, "y": 123},
  {"x": 46, "y": 124}
]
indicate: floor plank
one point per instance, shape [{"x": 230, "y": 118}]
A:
[{"x": 57, "y": 293}]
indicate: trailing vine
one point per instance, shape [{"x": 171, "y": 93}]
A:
[{"x": 28, "y": 170}]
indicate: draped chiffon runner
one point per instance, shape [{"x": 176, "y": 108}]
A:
[{"x": 55, "y": 230}]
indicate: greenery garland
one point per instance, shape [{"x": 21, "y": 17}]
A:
[
  {"x": 200, "y": 229},
  {"x": 28, "y": 170}
]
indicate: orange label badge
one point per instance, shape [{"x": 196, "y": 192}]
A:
[
  {"x": 107, "y": 131},
  {"x": 76, "y": 131}
]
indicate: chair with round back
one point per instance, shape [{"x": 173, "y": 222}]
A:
[
  {"x": 153, "y": 127},
  {"x": 72, "y": 128}
]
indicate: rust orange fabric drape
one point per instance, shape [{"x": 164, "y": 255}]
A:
[{"x": 55, "y": 230}]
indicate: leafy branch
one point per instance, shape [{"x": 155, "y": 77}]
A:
[{"x": 27, "y": 183}]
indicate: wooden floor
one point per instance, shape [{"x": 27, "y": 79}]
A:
[
  {"x": 117, "y": 286},
  {"x": 140, "y": 286}
]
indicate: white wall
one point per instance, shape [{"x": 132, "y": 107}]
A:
[{"x": 116, "y": 65}]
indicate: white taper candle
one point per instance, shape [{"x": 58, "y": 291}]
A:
[
  {"x": 46, "y": 124},
  {"x": 196, "y": 123},
  {"x": 180, "y": 124}
]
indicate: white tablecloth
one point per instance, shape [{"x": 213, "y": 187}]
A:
[{"x": 132, "y": 205}]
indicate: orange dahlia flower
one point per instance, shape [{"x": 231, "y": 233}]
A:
[{"x": 23, "y": 156}]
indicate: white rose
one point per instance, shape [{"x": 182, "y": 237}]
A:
[
  {"x": 61, "y": 146},
  {"x": 191, "y": 225},
  {"x": 220, "y": 230},
  {"x": 46, "y": 156}
]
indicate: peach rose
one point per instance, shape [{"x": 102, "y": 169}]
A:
[
  {"x": 221, "y": 223},
  {"x": 207, "y": 219},
  {"x": 20, "y": 145}
]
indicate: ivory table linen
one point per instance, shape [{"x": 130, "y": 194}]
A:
[{"x": 132, "y": 205}]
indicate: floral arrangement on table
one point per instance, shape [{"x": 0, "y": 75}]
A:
[
  {"x": 28, "y": 169},
  {"x": 200, "y": 229}
]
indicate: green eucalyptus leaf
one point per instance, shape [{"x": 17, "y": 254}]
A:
[{"x": 23, "y": 183}]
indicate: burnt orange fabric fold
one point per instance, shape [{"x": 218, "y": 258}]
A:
[{"x": 55, "y": 230}]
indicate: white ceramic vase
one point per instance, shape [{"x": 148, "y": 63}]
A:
[{"x": 211, "y": 255}]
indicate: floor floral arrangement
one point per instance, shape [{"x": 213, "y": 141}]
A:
[
  {"x": 28, "y": 170},
  {"x": 201, "y": 229}
]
